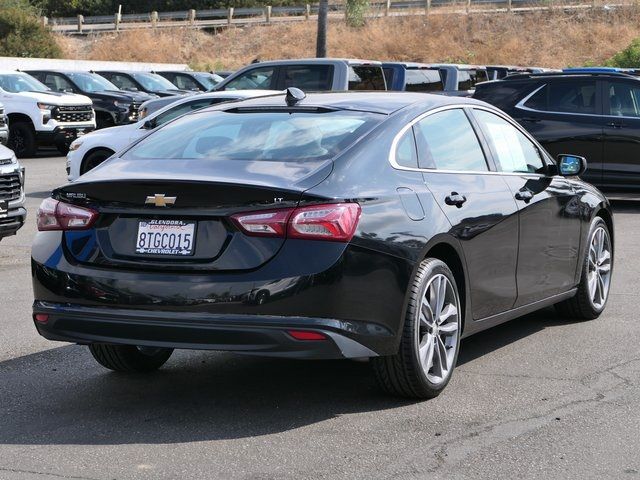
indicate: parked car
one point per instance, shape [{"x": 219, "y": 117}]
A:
[
  {"x": 38, "y": 116},
  {"x": 315, "y": 74},
  {"x": 408, "y": 220},
  {"x": 193, "y": 81},
  {"x": 150, "y": 83},
  {"x": 4, "y": 126},
  {"x": 497, "y": 72},
  {"x": 112, "y": 105},
  {"x": 91, "y": 150},
  {"x": 595, "y": 115},
  {"x": 12, "y": 211},
  {"x": 155, "y": 104},
  {"x": 412, "y": 77},
  {"x": 222, "y": 73},
  {"x": 461, "y": 80}
]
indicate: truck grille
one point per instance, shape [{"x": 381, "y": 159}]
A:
[
  {"x": 73, "y": 113},
  {"x": 10, "y": 188}
]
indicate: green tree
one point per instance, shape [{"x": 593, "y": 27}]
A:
[{"x": 22, "y": 34}]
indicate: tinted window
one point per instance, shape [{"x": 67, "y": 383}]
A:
[
  {"x": 272, "y": 136},
  {"x": 570, "y": 97},
  {"x": 423, "y": 81},
  {"x": 366, "y": 78},
  {"x": 514, "y": 151},
  {"x": 467, "y": 79},
  {"x": 181, "y": 110},
  {"x": 307, "y": 77},
  {"x": 406, "y": 154},
  {"x": 624, "y": 100},
  {"x": 57, "y": 83},
  {"x": 447, "y": 141},
  {"x": 20, "y": 82},
  {"x": 122, "y": 82},
  {"x": 256, "y": 78},
  {"x": 185, "y": 82}
]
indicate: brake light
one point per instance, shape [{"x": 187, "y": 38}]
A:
[
  {"x": 335, "y": 222},
  {"x": 56, "y": 215},
  {"x": 306, "y": 335}
]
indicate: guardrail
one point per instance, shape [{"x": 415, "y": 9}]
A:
[{"x": 222, "y": 18}]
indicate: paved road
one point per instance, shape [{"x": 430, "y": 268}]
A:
[{"x": 540, "y": 397}]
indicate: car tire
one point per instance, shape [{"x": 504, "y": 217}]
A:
[
  {"x": 129, "y": 358},
  {"x": 595, "y": 278},
  {"x": 429, "y": 344},
  {"x": 22, "y": 139},
  {"x": 94, "y": 159}
]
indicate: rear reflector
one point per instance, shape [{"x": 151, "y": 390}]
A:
[
  {"x": 41, "y": 317},
  {"x": 335, "y": 222},
  {"x": 306, "y": 335},
  {"x": 55, "y": 215}
]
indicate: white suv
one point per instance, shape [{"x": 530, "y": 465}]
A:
[
  {"x": 91, "y": 150},
  {"x": 39, "y": 116}
]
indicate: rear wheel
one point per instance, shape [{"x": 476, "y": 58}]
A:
[
  {"x": 94, "y": 159},
  {"x": 595, "y": 280},
  {"x": 129, "y": 358},
  {"x": 430, "y": 340},
  {"x": 22, "y": 139}
]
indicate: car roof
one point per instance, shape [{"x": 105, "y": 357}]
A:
[
  {"x": 233, "y": 94},
  {"x": 565, "y": 74},
  {"x": 410, "y": 65},
  {"x": 384, "y": 102},
  {"x": 459, "y": 66},
  {"x": 54, "y": 70},
  {"x": 350, "y": 61}
]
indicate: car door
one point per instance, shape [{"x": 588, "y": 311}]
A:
[
  {"x": 565, "y": 116},
  {"x": 621, "y": 166},
  {"x": 548, "y": 207},
  {"x": 477, "y": 202},
  {"x": 255, "y": 78}
]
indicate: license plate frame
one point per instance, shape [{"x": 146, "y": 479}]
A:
[{"x": 166, "y": 238}]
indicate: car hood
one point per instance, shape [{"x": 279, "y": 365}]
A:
[
  {"x": 56, "y": 98},
  {"x": 121, "y": 96}
]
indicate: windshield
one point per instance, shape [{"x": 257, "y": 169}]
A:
[
  {"x": 153, "y": 81},
  {"x": 21, "y": 82},
  {"x": 209, "y": 80},
  {"x": 91, "y": 82},
  {"x": 266, "y": 135}
]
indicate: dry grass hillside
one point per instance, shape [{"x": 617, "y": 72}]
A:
[{"x": 552, "y": 39}]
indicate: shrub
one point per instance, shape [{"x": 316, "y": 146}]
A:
[
  {"x": 355, "y": 11},
  {"x": 627, "y": 58},
  {"x": 22, "y": 34}
]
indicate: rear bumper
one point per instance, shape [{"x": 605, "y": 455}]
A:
[{"x": 249, "y": 334}]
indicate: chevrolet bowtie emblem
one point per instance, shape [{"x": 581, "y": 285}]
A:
[{"x": 160, "y": 200}]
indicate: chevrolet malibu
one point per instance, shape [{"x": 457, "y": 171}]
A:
[{"x": 336, "y": 225}]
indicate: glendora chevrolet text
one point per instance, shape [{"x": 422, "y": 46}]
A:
[{"x": 333, "y": 225}]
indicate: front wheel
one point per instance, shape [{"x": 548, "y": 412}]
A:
[
  {"x": 595, "y": 279},
  {"x": 22, "y": 139},
  {"x": 430, "y": 340},
  {"x": 129, "y": 358}
]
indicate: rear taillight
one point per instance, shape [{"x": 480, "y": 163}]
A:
[
  {"x": 56, "y": 215},
  {"x": 335, "y": 222}
]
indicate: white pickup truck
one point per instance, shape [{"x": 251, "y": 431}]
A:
[
  {"x": 39, "y": 116},
  {"x": 4, "y": 127}
]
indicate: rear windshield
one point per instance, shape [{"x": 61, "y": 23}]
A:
[
  {"x": 266, "y": 135},
  {"x": 423, "y": 80},
  {"x": 467, "y": 79},
  {"x": 363, "y": 77}
]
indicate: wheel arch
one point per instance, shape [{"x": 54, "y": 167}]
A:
[
  {"x": 19, "y": 118},
  {"x": 91, "y": 151}
]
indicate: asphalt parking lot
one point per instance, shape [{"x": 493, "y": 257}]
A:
[{"x": 540, "y": 397}]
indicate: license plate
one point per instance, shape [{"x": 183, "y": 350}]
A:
[{"x": 165, "y": 237}]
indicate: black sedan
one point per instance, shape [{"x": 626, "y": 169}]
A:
[{"x": 338, "y": 225}]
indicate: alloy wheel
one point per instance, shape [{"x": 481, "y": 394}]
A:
[
  {"x": 599, "y": 272},
  {"x": 438, "y": 330}
]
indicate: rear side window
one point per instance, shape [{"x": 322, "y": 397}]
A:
[
  {"x": 185, "y": 82},
  {"x": 423, "y": 81},
  {"x": 406, "y": 155},
  {"x": 122, "y": 82},
  {"x": 307, "y": 77},
  {"x": 566, "y": 97},
  {"x": 269, "y": 136},
  {"x": 467, "y": 79},
  {"x": 514, "y": 151},
  {"x": 260, "y": 78},
  {"x": 624, "y": 100},
  {"x": 446, "y": 141},
  {"x": 366, "y": 78}
]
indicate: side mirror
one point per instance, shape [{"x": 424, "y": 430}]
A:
[
  {"x": 149, "y": 124},
  {"x": 571, "y": 165}
]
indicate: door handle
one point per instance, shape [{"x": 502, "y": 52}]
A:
[
  {"x": 614, "y": 125},
  {"x": 525, "y": 195},
  {"x": 455, "y": 199}
]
